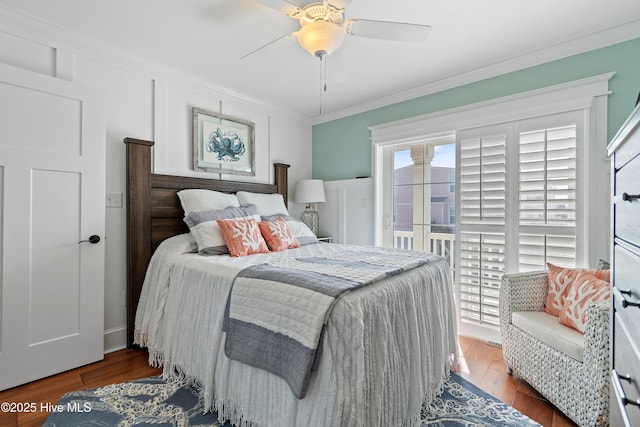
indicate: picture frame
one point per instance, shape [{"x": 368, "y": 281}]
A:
[{"x": 223, "y": 144}]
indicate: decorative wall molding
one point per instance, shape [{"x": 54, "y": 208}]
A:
[
  {"x": 147, "y": 100},
  {"x": 61, "y": 38}
]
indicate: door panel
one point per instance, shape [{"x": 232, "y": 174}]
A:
[
  {"x": 54, "y": 255},
  {"x": 62, "y": 122},
  {"x": 52, "y": 158}
]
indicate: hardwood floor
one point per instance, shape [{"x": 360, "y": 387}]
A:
[
  {"x": 119, "y": 366},
  {"x": 483, "y": 365},
  {"x": 480, "y": 363}
]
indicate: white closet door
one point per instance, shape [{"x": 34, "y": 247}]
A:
[{"x": 52, "y": 192}]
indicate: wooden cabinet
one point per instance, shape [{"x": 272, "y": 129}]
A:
[{"x": 624, "y": 150}]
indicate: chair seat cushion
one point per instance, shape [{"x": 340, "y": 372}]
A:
[{"x": 546, "y": 328}]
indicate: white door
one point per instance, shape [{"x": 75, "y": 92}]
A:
[{"x": 52, "y": 193}]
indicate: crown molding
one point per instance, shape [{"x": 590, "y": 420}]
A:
[
  {"x": 569, "y": 96},
  {"x": 588, "y": 43}
]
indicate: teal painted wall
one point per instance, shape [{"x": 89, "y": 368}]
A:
[{"x": 342, "y": 149}]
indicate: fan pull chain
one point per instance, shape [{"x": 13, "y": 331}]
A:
[
  {"x": 323, "y": 60},
  {"x": 323, "y": 74}
]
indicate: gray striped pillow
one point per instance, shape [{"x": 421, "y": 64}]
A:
[{"x": 205, "y": 229}]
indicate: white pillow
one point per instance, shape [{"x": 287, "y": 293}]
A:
[
  {"x": 268, "y": 204},
  {"x": 303, "y": 233},
  {"x": 198, "y": 200}
]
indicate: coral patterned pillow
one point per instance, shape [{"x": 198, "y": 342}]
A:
[
  {"x": 559, "y": 279},
  {"x": 278, "y": 235},
  {"x": 242, "y": 236},
  {"x": 585, "y": 289}
]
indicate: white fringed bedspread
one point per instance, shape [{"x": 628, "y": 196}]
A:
[{"x": 387, "y": 348}]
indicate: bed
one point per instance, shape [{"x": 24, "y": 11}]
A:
[{"x": 384, "y": 350}]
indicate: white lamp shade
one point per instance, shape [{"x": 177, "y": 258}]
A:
[{"x": 309, "y": 191}]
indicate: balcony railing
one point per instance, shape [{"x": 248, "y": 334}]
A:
[{"x": 442, "y": 244}]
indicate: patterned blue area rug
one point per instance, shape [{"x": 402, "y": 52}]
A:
[
  {"x": 463, "y": 404},
  {"x": 154, "y": 402}
]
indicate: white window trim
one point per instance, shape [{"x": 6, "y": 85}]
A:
[
  {"x": 588, "y": 94},
  {"x": 553, "y": 99}
]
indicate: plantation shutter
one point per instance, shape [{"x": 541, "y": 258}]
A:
[
  {"x": 482, "y": 222},
  {"x": 547, "y": 191},
  {"x": 482, "y": 175},
  {"x": 481, "y": 269},
  {"x": 537, "y": 226}
]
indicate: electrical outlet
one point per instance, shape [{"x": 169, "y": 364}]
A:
[{"x": 114, "y": 200}]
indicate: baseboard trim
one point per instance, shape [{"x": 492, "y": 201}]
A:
[{"x": 115, "y": 339}]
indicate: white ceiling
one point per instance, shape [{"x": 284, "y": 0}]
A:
[{"x": 208, "y": 38}]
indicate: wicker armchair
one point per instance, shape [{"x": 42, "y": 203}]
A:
[{"x": 579, "y": 389}]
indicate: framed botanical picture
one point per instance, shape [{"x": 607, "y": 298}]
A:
[{"x": 222, "y": 144}]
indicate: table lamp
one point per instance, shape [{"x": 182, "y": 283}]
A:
[{"x": 310, "y": 191}]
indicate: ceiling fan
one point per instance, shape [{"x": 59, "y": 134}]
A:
[{"x": 323, "y": 28}]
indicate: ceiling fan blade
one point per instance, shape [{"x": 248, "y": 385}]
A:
[
  {"x": 288, "y": 7},
  {"x": 266, "y": 45},
  {"x": 386, "y": 30},
  {"x": 339, "y": 4}
]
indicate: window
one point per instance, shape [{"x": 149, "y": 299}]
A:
[
  {"x": 421, "y": 198},
  {"x": 531, "y": 172}
]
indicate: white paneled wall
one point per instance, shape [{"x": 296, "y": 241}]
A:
[
  {"x": 347, "y": 214},
  {"x": 148, "y": 101}
]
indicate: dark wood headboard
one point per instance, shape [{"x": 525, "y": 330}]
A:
[{"x": 154, "y": 212}]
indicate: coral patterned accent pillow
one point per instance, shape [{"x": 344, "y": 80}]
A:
[
  {"x": 585, "y": 289},
  {"x": 559, "y": 279},
  {"x": 242, "y": 236},
  {"x": 278, "y": 235}
]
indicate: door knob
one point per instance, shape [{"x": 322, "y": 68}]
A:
[
  {"x": 94, "y": 238},
  {"x": 630, "y": 197}
]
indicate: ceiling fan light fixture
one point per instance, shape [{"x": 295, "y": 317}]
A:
[{"x": 320, "y": 36}]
